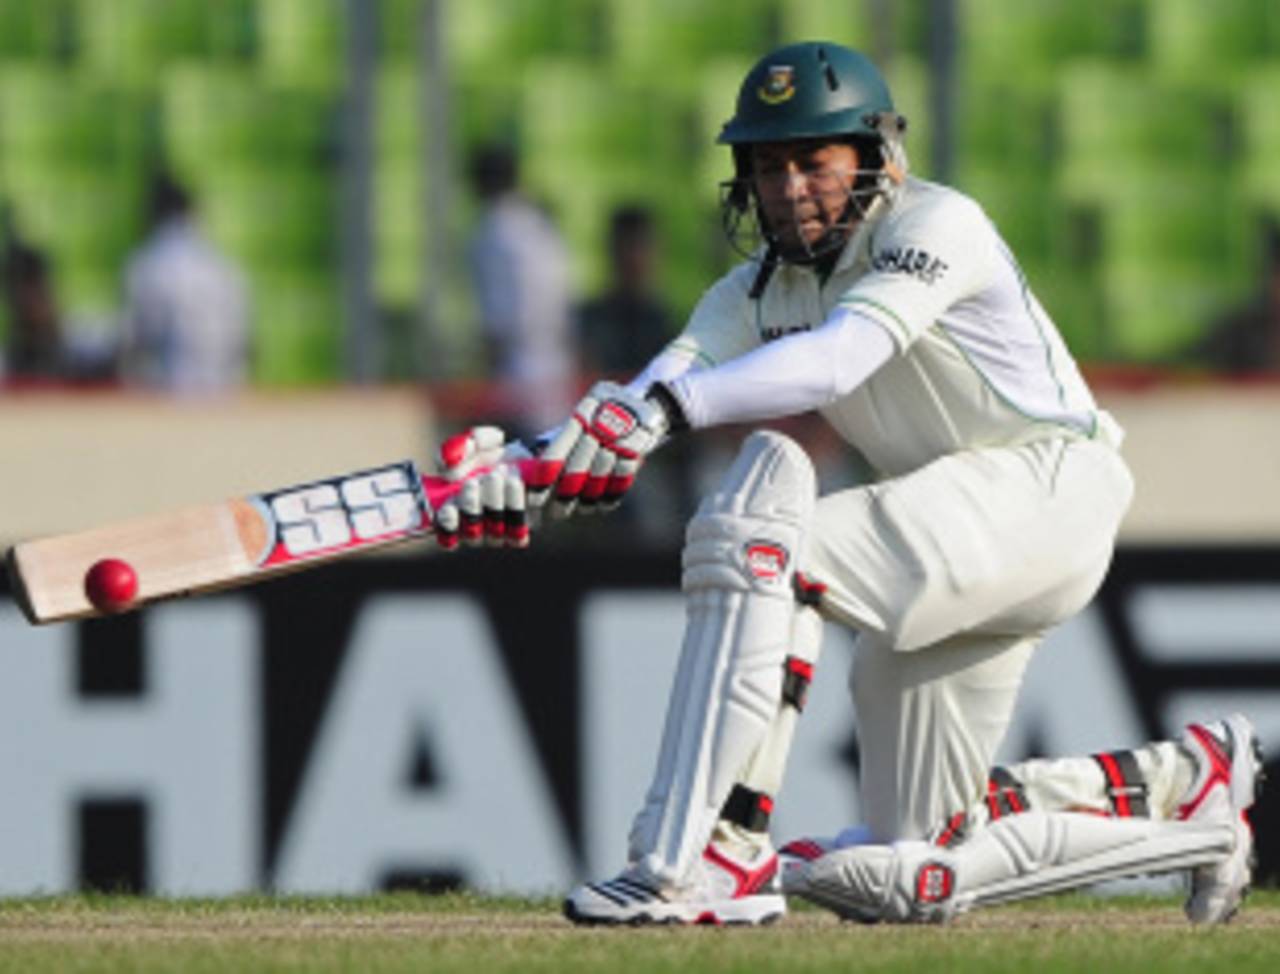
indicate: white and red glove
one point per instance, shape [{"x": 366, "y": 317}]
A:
[
  {"x": 490, "y": 509},
  {"x": 597, "y": 453}
]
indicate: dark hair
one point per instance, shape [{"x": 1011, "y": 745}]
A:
[
  {"x": 168, "y": 198},
  {"x": 630, "y": 221},
  {"x": 23, "y": 263},
  {"x": 494, "y": 170}
]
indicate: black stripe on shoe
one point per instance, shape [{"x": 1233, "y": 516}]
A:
[
  {"x": 635, "y": 888},
  {"x": 609, "y": 895}
]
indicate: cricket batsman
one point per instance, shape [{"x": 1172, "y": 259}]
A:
[{"x": 892, "y": 307}]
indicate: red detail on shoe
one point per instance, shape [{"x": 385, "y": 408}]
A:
[
  {"x": 1115, "y": 778},
  {"x": 766, "y": 804},
  {"x": 805, "y": 849},
  {"x": 1219, "y": 770},
  {"x": 747, "y": 881},
  {"x": 1015, "y": 801},
  {"x": 800, "y": 668},
  {"x": 447, "y": 541},
  {"x": 708, "y": 918},
  {"x": 454, "y": 450},
  {"x": 517, "y": 534},
  {"x": 472, "y": 529},
  {"x": 934, "y": 883}
]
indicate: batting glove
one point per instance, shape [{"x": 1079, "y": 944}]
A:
[
  {"x": 490, "y": 509},
  {"x": 598, "y": 452}
]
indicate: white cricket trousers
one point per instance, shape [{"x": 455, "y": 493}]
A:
[{"x": 952, "y": 575}]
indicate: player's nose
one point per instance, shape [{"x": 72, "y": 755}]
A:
[{"x": 795, "y": 184}]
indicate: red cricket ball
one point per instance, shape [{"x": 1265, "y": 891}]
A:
[{"x": 111, "y": 584}]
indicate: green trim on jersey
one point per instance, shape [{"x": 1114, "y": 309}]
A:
[
  {"x": 1044, "y": 420},
  {"x": 1031, "y": 313},
  {"x": 904, "y": 338},
  {"x": 683, "y": 345}
]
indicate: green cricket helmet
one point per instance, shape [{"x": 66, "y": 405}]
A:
[{"x": 816, "y": 90}]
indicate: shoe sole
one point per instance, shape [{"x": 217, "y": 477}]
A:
[{"x": 705, "y": 918}]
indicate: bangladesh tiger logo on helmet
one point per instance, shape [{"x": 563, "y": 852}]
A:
[{"x": 779, "y": 86}]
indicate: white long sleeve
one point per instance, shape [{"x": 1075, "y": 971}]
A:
[
  {"x": 667, "y": 365},
  {"x": 794, "y": 374}
]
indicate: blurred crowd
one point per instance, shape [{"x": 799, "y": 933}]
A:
[
  {"x": 184, "y": 325},
  {"x": 186, "y": 320}
]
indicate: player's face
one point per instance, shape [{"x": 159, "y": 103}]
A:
[{"x": 803, "y": 188}]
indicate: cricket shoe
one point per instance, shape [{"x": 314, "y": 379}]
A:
[
  {"x": 1228, "y": 780},
  {"x": 722, "y": 890}
]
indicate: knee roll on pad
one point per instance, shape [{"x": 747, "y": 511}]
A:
[{"x": 740, "y": 556}]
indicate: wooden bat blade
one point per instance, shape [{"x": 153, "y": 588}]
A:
[
  {"x": 232, "y": 543},
  {"x": 173, "y": 554}
]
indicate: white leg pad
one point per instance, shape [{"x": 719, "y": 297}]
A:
[
  {"x": 1016, "y": 858},
  {"x": 741, "y": 552}
]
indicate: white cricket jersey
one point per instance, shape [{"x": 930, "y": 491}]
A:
[{"x": 977, "y": 361}]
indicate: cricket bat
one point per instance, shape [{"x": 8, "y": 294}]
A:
[{"x": 235, "y": 542}]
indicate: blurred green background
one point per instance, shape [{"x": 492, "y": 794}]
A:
[{"x": 1129, "y": 150}]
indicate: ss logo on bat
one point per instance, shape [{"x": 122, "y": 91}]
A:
[{"x": 347, "y": 510}]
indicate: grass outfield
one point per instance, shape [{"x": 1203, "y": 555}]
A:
[{"x": 473, "y": 934}]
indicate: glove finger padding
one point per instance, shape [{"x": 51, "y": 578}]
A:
[
  {"x": 597, "y": 483},
  {"x": 516, "y": 514},
  {"x": 551, "y": 460},
  {"x": 619, "y": 482},
  {"x": 471, "y": 509},
  {"x": 492, "y": 499},
  {"x": 446, "y": 526},
  {"x": 480, "y": 446},
  {"x": 573, "y": 478},
  {"x": 488, "y": 510}
]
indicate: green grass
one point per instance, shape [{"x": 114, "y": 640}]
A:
[{"x": 405, "y": 932}]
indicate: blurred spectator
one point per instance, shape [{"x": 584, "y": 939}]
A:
[
  {"x": 621, "y": 330},
  {"x": 186, "y": 323},
  {"x": 520, "y": 269},
  {"x": 35, "y": 347},
  {"x": 1246, "y": 340}
]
